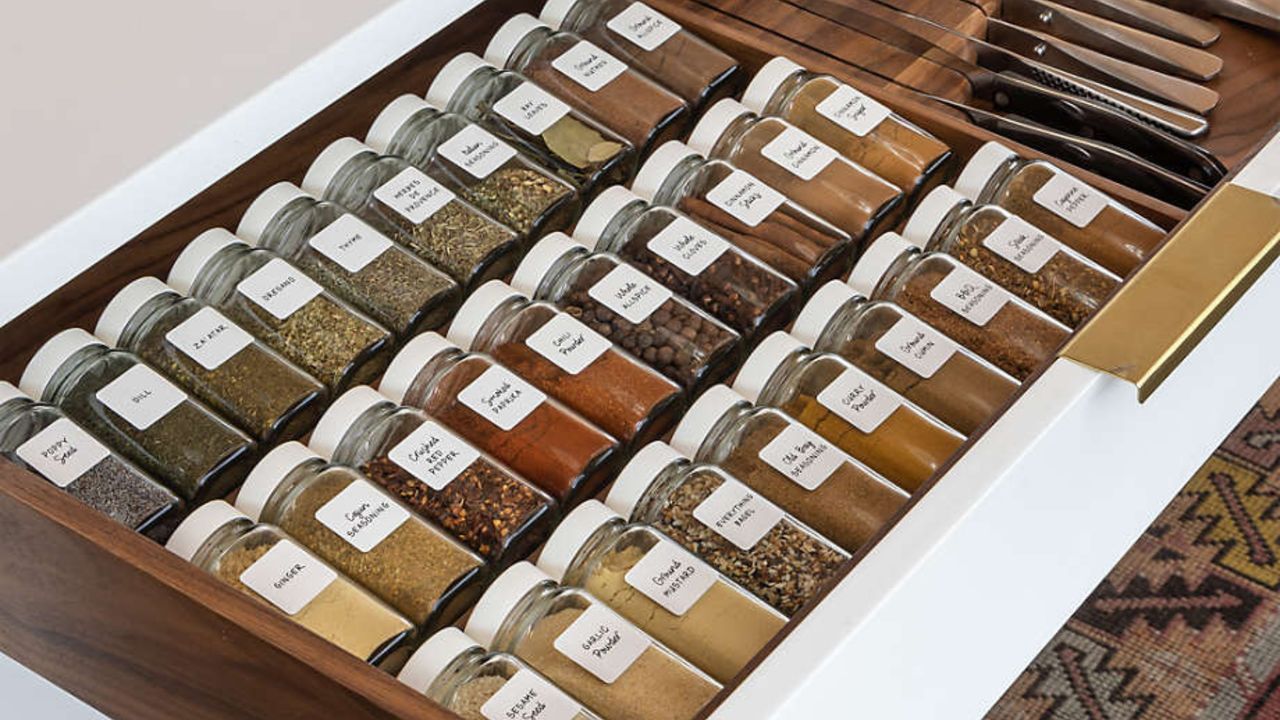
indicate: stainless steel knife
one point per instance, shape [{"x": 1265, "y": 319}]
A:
[
  {"x": 1155, "y": 19},
  {"x": 1264, "y": 14}
]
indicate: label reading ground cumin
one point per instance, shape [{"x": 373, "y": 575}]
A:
[
  {"x": 62, "y": 452},
  {"x": 644, "y": 26},
  {"x": 916, "y": 346},
  {"x": 279, "y": 288},
  {"x": 477, "y": 151},
  {"x": 531, "y": 108},
  {"x": 362, "y": 516},
  {"x": 350, "y": 242},
  {"x": 567, "y": 342},
  {"x": 799, "y": 153},
  {"x": 209, "y": 338},
  {"x": 745, "y": 197},
  {"x": 501, "y": 398},
  {"x": 629, "y": 293},
  {"x": 738, "y": 514},
  {"x": 1022, "y": 244},
  {"x": 433, "y": 455},
  {"x": 687, "y": 245},
  {"x": 288, "y": 577},
  {"x": 672, "y": 577},
  {"x": 970, "y": 295},
  {"x": 803, "y": 456},
  {"x": 527, "y": 695},
  {"x": 860, "y": 400},
  {"x": 141, "y": 396},
  {"x": 414, "y": 195},
  {"x": 853, "y": 111},
  {"x": 602, "y": 643},
  {"x": 589, "y": 66},
  {"x": 1070, "y": 199}
]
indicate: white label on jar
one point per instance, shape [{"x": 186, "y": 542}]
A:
[
  {"x": 853, "y": 111},
  {"x": 799, "y": 153},
  {"x": 644, "y": 26},
  {"x": 531, "y": 108},
  {"x": 860, "y": 400},
  {"x": 350, "y": 242},
  {"x": 62, "y": 452},
  {"x": 413, "y": 195},
  {"x": 433, "y": 455},
  {"x": 589, "y": 66},
  {"x": 630, "y": 293},
  {"x": 477, "y": 151},
  {"x": 528, "y": 695},
  {"x": 916, "y": 346},
  {"x": 745, "y": 197},
  {"x": 970, "y": 295},
  {"x": 362, "y": 515},
  {"x": 803, "y": 456},
  {"x": 602, "y": 643},
  {"x": 567, "y": 342},
  {"x": 141, "y": 396},
  {"x": 1070, "y": 199},
  {"x": 738, "y": 514},
  {"x": 672, "y": 577},
  {"x": 279, "y": 288},
  {"x": 1022, "y": 244},
  {"x": 687, "y": 245},
  {"x": 209, "y": 338},
  {"x": 288, "y": 577},
  {"x": 501, "y": 398}
]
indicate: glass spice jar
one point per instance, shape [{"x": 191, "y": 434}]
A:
[
  {"x": 139, "y": 413},
  {"x": 801, "y": 166},
  {"x": 662, "y": 588},
  {"x": 751, "y": 215},
  {"x": 588, "y": 650},
  {"x": 727, "y": 524},
  {"x": 699, "y": 265},
  {"x": 263, "y": 562},
  {"x": 1068, "y": 209},
  {"x": 569, "y": 361},
  {"x": 582, "y": 74},
  {"x": 965, "y": 306},
  {"x": 215, "y": 359},
  {"x": 454, "y": 671},
  {"x": 848, "y": 407},
  {"x": 790, "y": 465},
  {"x": 378, "y": 277},
  {"x": 1022, "y": 258},
  {"x": 39, "y": 437},
  {"x": 942, "y": 377},
  {"x": 572, "y": 143},
  {"x": 283, "y": 308},
  {"x": 414, "y": 209},
  {"x": 436, "y": 473},
  {"x": 474, "y": 163},
  {"x": 689, "y": 66},
  {"x": 850, "y": 121},
  {"x": 365, "y": 533},
  {"x": 633, "y": 310},
  {"x": 502, "y": 414}
]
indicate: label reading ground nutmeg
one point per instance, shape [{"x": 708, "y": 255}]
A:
[
  {"x": 433, "y": 455},
  {"x": 803, "y": 456},
  {"x": 799, "y": 153},
  {"x": 350, "y": 242},
  {"x": 630, "y": 293},
  {"x": 279, "y": 288},
  {"x": 1022, "y": 244},
  {"x": 672, "y": 577},
  {"x": 853, "y": 111},
  {"x": 531, "y": 108},
  {"x": 970, "y": 295},
  {"x": 528, "y": 695},
  {"x": 501, "y": 398},
  {"x": 567, "y": 342},
  {"x": 413, "y": 195},
  {"x": 62, "y": 452},
  {"x": 602, "y": 643},
  {"x": 738, "y": 514},
  {"x": 477, "y": 151},
  {"x": 916, "y": 346},
  {"x": 288, "y": 577},
  {"x": 745, "y": 197},
  {"x": 688, "y": 245},
  {"x": 589, "y": 66},
  {"x": 1070, "y": 199},
  {"x": 209, "y": 338},
  {"x": 644, "y": 26},
  {"x": 863, "y": 402},
  {"x": 362, "y": 516},
  {"x": 141, "y": 396}
]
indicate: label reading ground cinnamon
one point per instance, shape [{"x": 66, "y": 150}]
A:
[
  {"x": 863, "y": 402},
  {"x": 209, "y": 338},
  {"x": 803, "y": 456},
  {"x": 644, "y": 26},
  {"x": 288, "y": 577},
  {"x": 362, "y": 516},
  {"x": 799, "y": 153},
  {"x": 567, "y": 342},
  {"x": 279, "y": 288},
  {"x": 433, "y": 455},
  {"x": 738, "y": 514},
  {"x": 589, "y": 66},
  {"x": 970, "y": 295},
  {"x": 477, "y": 151},
  {"x": 141, "y": 396},
  {"x": 630, "y": 293},
  {"x": 853, "y": 111},
  {"x": 62, "y": 452},
  {"x": 602, "y": 643},
  {"x": 350, "y": 242},
  {"x": 672, "y": 577},
  {"x": 413, "y": 195},
  {"x": 531, "y": 108},
  {"x": 916, "y": 346},
  {"x": 1022, "y": 244},
  {"x": 745, "y": 197},
  {"x": 1070, "y": 199},
  {"x": 688, "y": 245},
  {"x": 528, "y": 695},
  {"x": 501, "y": 398}
]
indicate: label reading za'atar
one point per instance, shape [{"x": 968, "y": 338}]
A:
[
  {"x": 589, "y": 66},
  {"x": 567, "y": 342},
  {"x": 688, "y": 245},
  {"x": 745, "y": 197},
  {"x": 528, "y": 695},
  {"x": 860, "y": 400},
  {"x": 853, "y": 111},
  {"x": 970, "y": 295},
  {"x": 62, "y": 452},
  {"x": 602, "y": 643},
  {"x": 1022, "y": 244},
  {"x": 916, "y": 346},
  {"x": 141, "y": 396},
  {"x": 433, "y": 455},
  {"x": 672, "y": 577},
  {"x": 803, "y": 456},
  {"x": 630, "y": 293},
  {"x": 477, "y": 151},
  {"x": 209, "y": 338},
  {"x": 350, "y": 242},
  {"x": 279, "y": 288},
  {"x": 413, "y": 195},
  {"x": 288, "y": 577},
  {"x": 501, "y": 398},
  {"x": 1070, "y": 199},
  {"x": 738, "y": 514},
  {"x": 799, "y": 153},
  {"x": 643, "y": 26},
  {"x": 362, "y": 516},
  {"x": 531, "y": 108}
]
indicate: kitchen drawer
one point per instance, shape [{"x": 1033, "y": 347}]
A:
[{"x": 933, "y": 619}]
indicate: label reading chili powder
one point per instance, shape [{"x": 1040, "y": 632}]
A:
[
  {"x": 567, "y": 342},
  {"x": 688, "y": 245},
  {"x": 501, "y": 398},
  {"x": 528, "y": 695},
  {"x": 350, "y": 242},
  {"x": 799, "y": 153},
  {"x": 860, "y": 400},
  {"x": 141, "y": 396},
  {"x": 288, "y": 577},
  {"x": 589, "y": 66},
  {"x": 1022, "y": 244},
  {"x": 970, "y": 295},
  {"x": 477, "y": 151},
  {"x": 602, "y": 643},
  {"x": 803, "y": 456},
  {"x": 630, "y": 293},
  {"x": 433, "y": 455},
  {"x": 916, "y": 346},
  {"x": 853, "y": 111},
  {"x": 1070, "y": 199},
  {"x": 413, "y": 195},
  {"x": 62, "y": 452},
  {"x": 531, "y": 108},
  {"x": 279, "y": 288},
  {"x": 362, "y": 516},
  {"x": 643, "y": 26},
  {"x": 738, "y": 514},
  {"x": 209, "y": 338},
  {"x": 672, "y": 577},
  {"x": 745, "y": 197}
]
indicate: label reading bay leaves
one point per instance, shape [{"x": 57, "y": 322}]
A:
[{"x": 531, "y": 108}]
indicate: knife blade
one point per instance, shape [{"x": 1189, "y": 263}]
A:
[
  {"x": 1155, "y": 19},
  {"x": 1264, "y": 14}
]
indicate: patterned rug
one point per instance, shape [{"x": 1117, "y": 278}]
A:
[{"x": 1187, "y": 624}]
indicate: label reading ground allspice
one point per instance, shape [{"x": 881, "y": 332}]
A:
[
  {"x": 862, "y": 401},
  {"x": 279, "y": 288},
  {"x": 643, "y": 26},
  {"x": 477, "y": 151},
  {"x": 630, "y": 293},
  {"x": 738, "y": 514},
  {"x": 413, "y": 195},
  {"x": 1022, "y": 244},
  {"x": 288, "y": 577},
  {"x": 433, "y": 455},
  {"x": 141, "y": 396},
  {"x": 531, "y": 108},
  {"x": 602, "y": 643},
  {"x": 672, "y": 577},
  {"x": 209, "y": 338},
  {"x": 501, "y": 398},
  {"x": 350, "y": 242},
  {"x": 745, "y": 197},
  {"x": 916, "y": 346},
  {"x": 799, "y": 153},
  {"x": 362, "y": 516},
  {"x": 528, "y": 695},
  {"x": 1070, "y": 199},
  {"x": 687, "y": 245},
  {"x": 62, "y": 452},
  {"x": 853, "y": 111},
  {"x": 567, "y": 342},
  {"x": 803, "y": 456},
  {"x": 970, "y": 295},
  {"x": 589, "y": 66}
]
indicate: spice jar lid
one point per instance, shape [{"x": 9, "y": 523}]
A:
[
  {"x": 659, "y": 167},
  {"x": 763, "y": 363},
  {"x": 930, "y": 213},
  {"x": 477, "y": 310},
  {"x": 329, "y": 162},
  {"x": 341, "y": 415},
  {"x": 713, "y": 124},
  {"x": 817, "y": 313},
  {"x": 596, "y": 218},
  {"x": 507, "y": 39},
  {"x": 634, "y": 480},
  {"x": 572, "y": 533},
  {"x": 9, "y": 392},
  {"x": 767, "y": 81},
  {"x": 555, "y": 11},
  {"x": 540, "y": 259},
  {"x": 702, "y": 416},
  {"x": 50, "y": 357},
  {"x": 115, "y": 318},
  {"x": 199, "y": 525},
  {"x": 392, "y": 118},
  {"x": 197, "y": 254},
  {"x": 984, "y": 163},
  {"x": 407, "y": 363},
  {"x": 452, "y": 76},
  {"x": 501, "y": 598},
  {"x": 264, "y": 209},
  {"x": 267, "y": 475},
  {"x": 434, "y": 656},
  {"x": 876, "y": 261}
]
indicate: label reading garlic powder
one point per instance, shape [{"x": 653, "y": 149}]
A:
[
  {"x": 738, "y": 514},
  {"x": 630, "y": 293},
  {"x": 970, "y": 295},
  {"x": 853, "y": 111},
  {"x": 528, "y": 695},
  {"x": 672, "y": 577},
  {"x": 501, "y": 398},
  {"x": 477, "y": 151},
  {"x": 803, "y": 456},
  {"x": 567, "y": 342},
  {"x": 1022, "y": 244},
  {"x": 916, "y": 346},
  {"x": 531, "y": 108},
  {"x": 602, "y": 643},
  {"x": 644, "y": 26},
  {"x": 350, "y": 242},
  {"x": 745, "y": 197},
  {"x": 279, "y": 288},
  {"x": 863, "y": 402},
  {"x": 62, "y": 452},
  {"x": 1070, "y": 199},
  {"x": 209, "y": 338},
  {"x": 141, "y": 396},
  {"x": 799, "y": 153},
  {"x": 433, "y": 455},
  {"x": 362, "y": 516},
  {"x": 688, "y": 245},
  {"x": 288, "y": 577},
  {"x": 589, "y": 66},
  {"x": 413, "y": 195}
]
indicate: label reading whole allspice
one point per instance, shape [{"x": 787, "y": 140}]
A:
[
  {"x": 528, "y": 695},
  {"x": 433, "y": 455},
  {"x": 630, "y": 293},
  {"x": 209, "y": 338},
  {"x": 350, "y": 242},
  {"x": 62, "y": 452},
  {"x": 413, "y": 195},
  {"x": 567, "y": 342},
  {"x": 477, "y": 151},
  {"x": 1022, "y": 244},
  {"x": 1070, "y": 199},
  {"x": 589, "y": 66},
  {"x": 745, "y": 197},
  {"x": 602, "y": 643},
  {"x": 799, "y": 153},
  {"x": 916, "y": 346},
  {"x": 362, "y": 516},
  {"x": 738, "y": 514},
  {"x": 288, "y": 577},
  {"x": 501, "y": 397},
  {"x": 672, "y": 577},
  {"x": 141, "y": 396},
  {"x": 803, "y": 456},
  {"x": 279, "y": 288},
  {"x": 853, "y": 111},
  {"x": 644, "y": 26},
  {"x": 862, "y": 401},
  {"x": 970, "y": 295},
  {"x": 531, "y": 108},
  {"x": 688, "y": 245}
]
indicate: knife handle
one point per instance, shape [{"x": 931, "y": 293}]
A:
[
  {"x": 1153, "y": 18},
  {"x": 1260, "y": 13}
]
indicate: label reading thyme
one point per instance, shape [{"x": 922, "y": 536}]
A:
[
  {"x": 745, "y": 197},
  {"x": 644, "y": 26},
  {"x": 209, "y": 338},
  {"x": 288, "y": 577},
  {"x": 799, "y": 153},
  {"x": 62, "y": 452},
  {"x": 501, "y": 398},
  {"x": 803, "y": 456},
  {"x": 738, "y": 514},
  {"x": 567, "y": 342},
  {"x": 916, "y": 346},
  {"x": 477, "y": 151},
  {"x": 531, "y": 108},
  {"x": 413, "y": 195},
  {"x": 863, "y": 402},
  {"x": 279, "y": 288},
  {"x": 688, "y": 245},
  {"x": 433, "y": 455},
  {"x": 528, "y": 695},
  {"x": 1022, "y": 244},
  {"x": 630, "y": 293},
  {"x": 1070, "y": 199},
  {"x": 672, "y": 577},
  {"x": 853, "y": 111},
  {"x": 589, "y": 66},
  {"x": 362, "y": 516},
  {"x": 141, "y": 396},
  {"x": 970, "y": 295},
  {"x": 602, "y": 643},
  {"x": 350, "y": 242}
]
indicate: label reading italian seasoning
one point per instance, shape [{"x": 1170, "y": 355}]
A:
[{"x": 477, "y": 151}]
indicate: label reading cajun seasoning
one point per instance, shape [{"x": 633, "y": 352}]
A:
[
  {"x": 853, "y": 111},
  {"x": 687, "y": 245},
  {"x": 630, "y": 293},
  {"x": 433, "y": 455},
  {"x": 745, "y": 197},
  {"x": 738, "y": 514},
  {"x": 589, "y": 66},
  {"x": 1070, "y": 199},
  {"x": 209, "y": 338},
  {"x": 501, "y": 398},
  {"x": 1022, "y": 244},
  {"x": 528, "y": 695},
  {"x": 916, "y": 346},
  {"x": 602, "y": 643},
  {"x": 141, "y": 396},
  {"x": 279, "y": 288},
  {"x": 62, "y": 452},
  {"x": 350, "y": 242},
  {"x": 799, "y": 153},
  {"x": 288, "y": 577},
  {"x": 672, "y": 577},
  {"x": 413, "y": 195},
  {"x": 860, "y": 400},
  {"x": 531, "y": 108},
  {"x": 643, "y": 26},
  {"x": 803, "y": 456},
  {"x": 362, "y": 516},
  {"x": 477, "y": 151},
  {"x": 969, "y": 295},
  {"x": 567, "y": 342}
]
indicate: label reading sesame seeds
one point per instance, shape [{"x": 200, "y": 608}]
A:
[
  {"x": 1022, "y": 244},
  {"x": 413, "y": 195},
  {"x": 799, "y": 153},
  {"x": 1070, "y": 199},
  {"x": 141, "y": 396},
  {"x": 209, "y": 338},
  {"x": 279, "y": 288},
  {"x": 477, "y": 151},
  {"x": 531, "y": 108},
  {"x": 362, "y": 516},
  {"x": 688, "y": 245},
  {"x": 589, "y": 66},
  {"x": 602, "y": 643},
  {"x": 672, "y": 577},
  {"x": 745, "y": 197},
  {"x": 643, "y": 26},
  {"x": 738, "y": 514},
  {"x": 528, "y": 695},
  {"x": 350, "y": 242},
  {"x": 860, "y": 400},
  {"x": 567, "y": 342},
  {"x": 853, "y": 111},
  {"x": 433, "y": 455},
  {"x": 288, "y": 577},
  {"x": 803, "y": 456},
  {"x": 630, "y": 293},
  {"x": 916, "y": 346},
  {"x": 501, "y": 398},
  {"x": 970, "y": 295},
  {"x": 62, "y": 452}
]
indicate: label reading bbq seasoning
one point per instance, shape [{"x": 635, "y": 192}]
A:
[{"x": 970, "y": 295}]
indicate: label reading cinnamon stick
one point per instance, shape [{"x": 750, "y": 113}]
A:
[{"x": 745, "y": 197}]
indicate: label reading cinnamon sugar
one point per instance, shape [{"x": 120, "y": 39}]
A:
[
  {"x": 1071, "y": 199},
  {"x": 567, "y": 342},
  {"x": 528, "y": 695},
  {"x": 862, "y": 401},
  {"x": 589, "y": 66},
  {"x": 501, "y": 398},
  {"x": 916, "y": 346},
  {"x": 644, "y": 26},
  {"x": 738, "y": 514},
  {"x": 853, "y": 111},
  {"x": 531, "y": 108},
  {"x": 970, "y": 295},
  {"x": 1022, "y": 244},
  {"x": 745, "y": 197},
  {"x": 602, "y": 643},
  {"x": 803, "y": 456},
  {"x": 799, "y": 153},
  {"x": 672, "y": 577}
]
